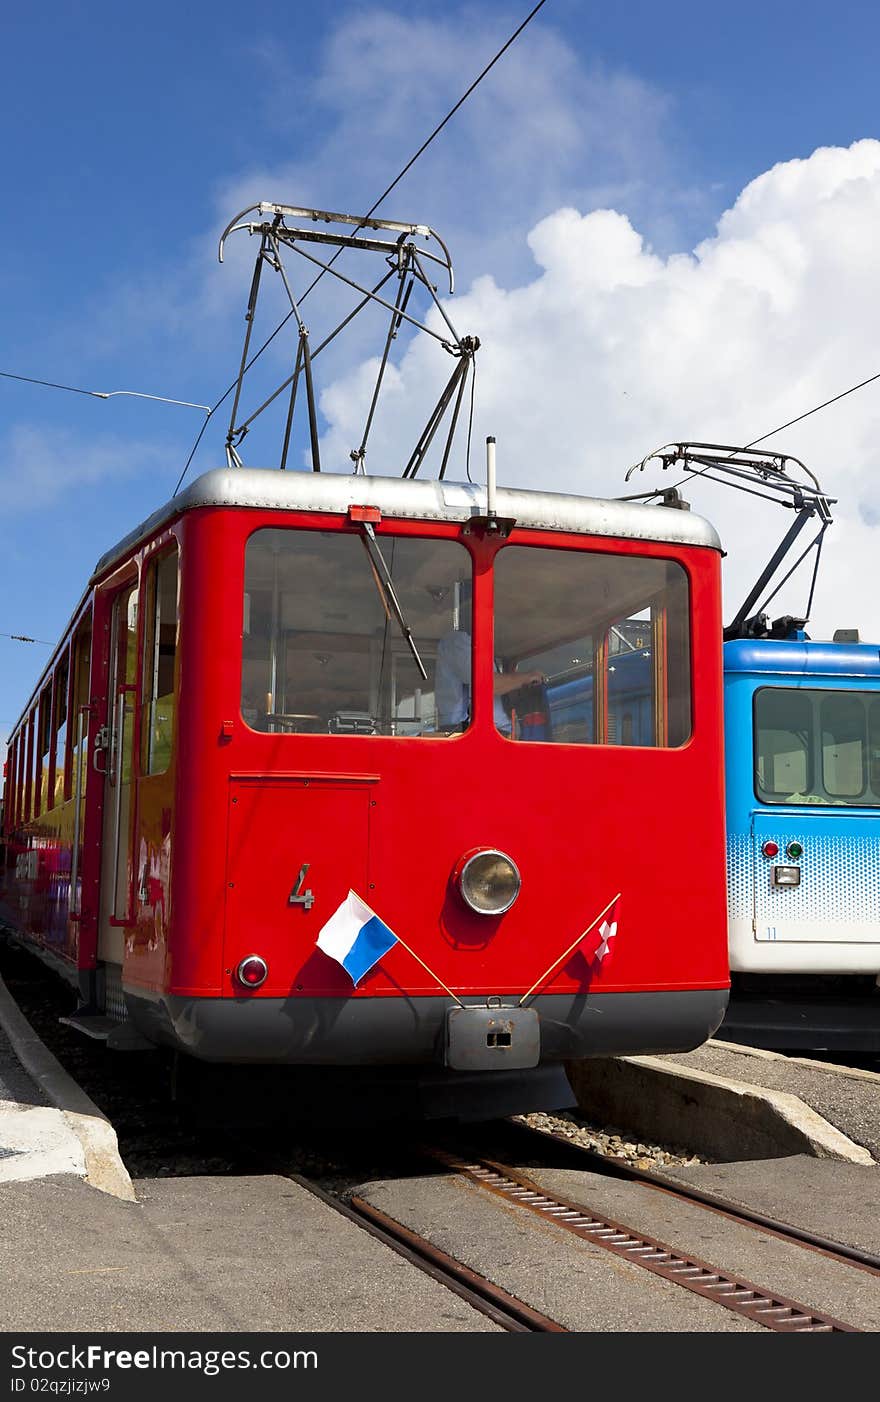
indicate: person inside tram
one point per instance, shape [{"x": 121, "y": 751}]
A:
[{"x": 452, "y": 683}]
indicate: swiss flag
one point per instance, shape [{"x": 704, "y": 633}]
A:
[
  {"x": 607, "y": 934},
  {"x": 600, "y": 952}
]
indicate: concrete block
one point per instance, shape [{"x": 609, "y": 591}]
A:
[{"x": 704, "y": 1114}]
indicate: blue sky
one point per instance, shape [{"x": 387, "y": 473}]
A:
[{"x": 131, "y": 137}]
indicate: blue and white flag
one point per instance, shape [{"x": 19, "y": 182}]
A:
[{"x": 355, "y": 937}]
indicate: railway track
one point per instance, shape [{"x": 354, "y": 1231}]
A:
[
  {"x": 504, "y": 1309},
  {"x": 744, "y": 1297},
  {"x": 578, "y": 1156},
  {"x": 515, "y": 1188}
]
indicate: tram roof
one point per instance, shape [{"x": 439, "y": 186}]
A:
[
  {"x": 403, "y": 499},
  {"x": 792, "y": 657}
]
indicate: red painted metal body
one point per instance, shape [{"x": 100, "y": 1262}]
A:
[{"x": 214, "y": 844}]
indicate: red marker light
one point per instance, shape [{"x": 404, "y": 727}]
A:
[
  {"x": 770, "y": 849},
  {"x": 252, "y": 971}
]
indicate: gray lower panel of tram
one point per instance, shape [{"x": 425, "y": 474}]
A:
[{"x": 414, "y": 1031}]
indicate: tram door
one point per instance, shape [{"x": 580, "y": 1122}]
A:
[{"x": 116, "y": 855}]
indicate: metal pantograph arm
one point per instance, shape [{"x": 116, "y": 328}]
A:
[
  {"x": 773, "y": 476},
  {"x": 409, "y": 263}
]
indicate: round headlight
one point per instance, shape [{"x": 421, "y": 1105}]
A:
[{"x": 489, "y": 881}]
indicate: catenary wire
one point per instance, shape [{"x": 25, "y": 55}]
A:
[
  {"x": 833, "y": 400},
  {"x": 790, "y": 424},
  {"x": 371, "y": 211},
  {"x": 50, "y": 384},
  {"x": 104, "y": 394}
]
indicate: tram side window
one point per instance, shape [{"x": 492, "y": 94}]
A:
[
  {"x": 30, "y": 726},
  {"x": 322, "y": 650},
  {"x": 79, "y": 720},
  {"x": 609, "y": 633},
  {"x": 20, "y": 763},
  {"x": 160, "y": 651},
  {"x": 13, "y": 809},
  {"x": 59, "y": 730},
  {"x": 13, "y": 784},
  {"x": 28, "y": 767},
  {"x": 18, "y": 811},
  {"x": 783, "y": 744},
  {"x": 817, "y": 747},
  {"x": 843, "y": 746},
  {"x": 21, "y": 776},
  {"x": 10, "y": 788},
  {"x": 874, "y": 747},
  {"x": 41, "y": 752}
]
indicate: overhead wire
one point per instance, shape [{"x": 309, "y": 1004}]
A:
[
  {"x": 833, "y": 400},
  {"x": 790, "y": 424},
  {"x": 370, "y": 212},
  {"x": 103, "y": 394},
  {"x": 50, "y": 384}
]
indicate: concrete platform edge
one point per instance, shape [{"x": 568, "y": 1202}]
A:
[
  {"x": 104, "y": 1167},
  {"x": 851, "y": 1073},
  {"x": 707, "y": 1114}
]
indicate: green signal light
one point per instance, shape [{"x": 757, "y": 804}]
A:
[{"x": 794, "y": 850}]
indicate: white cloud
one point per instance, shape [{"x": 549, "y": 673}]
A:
[{"x": 610, "y": 351}]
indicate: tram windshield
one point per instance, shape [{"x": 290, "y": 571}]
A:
[
  {"x": 817, "y": 747},
  {"x": 590, "y": 647},
  {"x": 602, "y": 644},
  {"x": 324, "y": 653}
]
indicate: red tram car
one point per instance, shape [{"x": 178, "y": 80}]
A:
[{"x": 284, "y": 687}]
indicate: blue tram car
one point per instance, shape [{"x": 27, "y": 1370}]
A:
[
  {"x": 802, "y": 778},
  {"x": 802, "y": 740}
]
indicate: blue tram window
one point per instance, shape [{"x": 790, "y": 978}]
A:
[
  {"x": 783, "y": 744},
  {"x": 874, "y": 747},
  {"x": 843, "y": 745},
  {"x": 817, "y": 747}
]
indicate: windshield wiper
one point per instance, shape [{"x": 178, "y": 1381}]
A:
[{"x": 385, "y": 587}]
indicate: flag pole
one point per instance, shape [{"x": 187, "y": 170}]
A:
[
  {"x": 413, "y": 953},
  {"x": 569, "y": 950},
  {"x": 429, "y": 971}
]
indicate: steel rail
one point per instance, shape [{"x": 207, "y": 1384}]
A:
[
  {"x": 786, "y": 1231},
  {"x": 743, "y": 1297},
  {"x": 503, "y": 1309},
  {"x": 506, "y": 1309}
]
